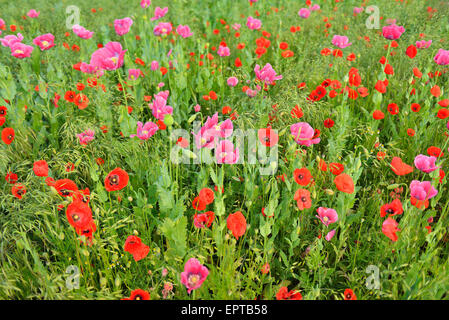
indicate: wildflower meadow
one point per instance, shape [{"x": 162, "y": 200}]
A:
[{"x": 224, "y": 150}]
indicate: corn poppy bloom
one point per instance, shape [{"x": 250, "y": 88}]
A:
[
  {"x": 393, "y": 208},
  {"x": 393, "y": 108},
  {"x": 411, "y": 51},
  {"x": 268, "y": 137},
  {"x": 79, "y": 214},
  {"x": 3, "y": 111},
  {"x": 329, "y": 123},
  {"x": 378, "y": 115},
  {"x": 415, "y": 107},
  {"x": 302, "y": 197},
  {"x": 64, "y": 187},
  {"x": 435, "y": 91},
  {"x": 116, "y": 180},
  {"x": 40, "y": 168},
  {"x": 11, "y": 178},
  {"x": 434, "y": 152},
  {"x": 236, "y": 223},
  {"x": 344, "y": 183},
  {"x": 18, "y": 190},
  {"x": 336, "y": 168},
  {"x": 69, "y": 96},
  {"x": 302, "y": 176},
  {"x": 349, "y": 294},
  {"x": 81, "y": 100},
  {"x": 138, "y": 294},
  {"x": 136, "y": 247},
  {"x": 419, "y": 204},
  {"x": 198, "y": 204},
  {"x": 284, "y": 294},
  {"x": 8, "y": 135},
  {"x": 2, "y": 120},
  {"x": 206, "y": 195},
  {"x": 400, "y": 168},
  {"x": 389, "y": 228}
]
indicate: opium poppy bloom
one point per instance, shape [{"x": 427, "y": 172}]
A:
[
  {"x": 79, "y": 214},
  {"x": 236, "y": 223},
  {"x": 136, "y": 247},
  {"x": 193, "y": 275},
  {"x": 268, "y": 137},
  {"x": 40, "y": 168},
  {"x": 65, "y": 187},
  {"x": 8, "y": 135},
  {"x": 284, "y": 294},
  {"x": 389, "y": 228},
  {"x": 302, "y": 197},
  {"x": 399, "y": 167},
  {"x": 344, "y": 183},
  {"x": 302, "y": 176},
  {"x": 349, "y": 295},
  {"x": 138, "y": 294},
  {"x": 393, "y": 208},
  {"x": 117, "y": 179},
  {"x": 18, "y": 190}
]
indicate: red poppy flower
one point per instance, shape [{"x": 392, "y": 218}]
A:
[
  {"x": 443, "y": 113},
  {"x": 410, "y": 132},
  {"x": 415, "y": 107},
  {"x": 70, "y": 96},
  {"x": 3, "y": 111},
  {"x": 389, "y": 228},
  {"x": 444, "y": 103},
  {"x": 296, "y": 112},
  {"x": 2, "y": 121},
  {"x": 18, "y": 190},
  {"x": 8, "y": 135},
  {"x": 434, "y": 151},
  {"x": 435, "y": 91},
  {"x": 284, "y": 294},
  {"x": 393, "y": 208},
  {"x": 411, "y": 51},
  {"x": 82, "y": 101},
  {"x": 380, "y": 86},
  {"x": 302, "y": 197},
  {"x": 11, "y": 177},
  {"x": 302, "y": 176},
  {"x": 378, "y": 115},
  {"x": 87, "y": 231},
  {"x": 336, "y": 168},
  {"x": 399, "y": 167},
  {"x": 268, "y": 137},
  {"x": 117, "y": 179},
  {"x": 419, "y": 204},
  {"x": 79, "y": 214},
  {"x": 198, "y": 204},
  {"x": 393, "y": 108},
  {"x": 138, "y": 294},
  {"x": 237, "y": 63},
  {"x": 322, "y": 165},
  {"x": 65, "y": 187},
  {"x": 344, "y": 183},
  {"x": 329, "y": 123},
  {"x": 236, "y": 223},
  {"x": 40, "y": 168},
  {"x": 136, "y": 247},
  {"x": 349, "y": 295},
  {"x": 206, "y": 195}
]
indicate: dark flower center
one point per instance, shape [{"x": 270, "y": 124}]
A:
[
  {"x": 10, "y": 137},
  {"x": 303, "y": 199},
  {"x": 64, "y": 192},
  {"x": 114, "y": 180},
  {"x": 389, "y": 210},
  {"x": 138, "y": 297},
  {"x": 301, "y": 176},
  {"x": 20, "y": 192},
  {"x": 75, "y": 217}
]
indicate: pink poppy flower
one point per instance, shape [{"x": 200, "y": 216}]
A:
[
  {"x": 304, "y": 13},
  {"x": 253, "y": 24},
  {"x": 341, "y": 41},
  {"x": 194, "y": 274},
  {"x": 315, "y": 7},
  {"x": 422, "y": 190},
  {"x": 110, "y": 57},
  {"x": 303, "y": 134},
  {"x": 423, "y": 44},
  {"x": 225, "y": 153},
  {"x": 145, "y": 3},
  {"x": 2, "y": 24},
  {"x": 160, "y": 108},
  {"x": 223, "y": 51},
  {"x": 20, "y": 50},
  {"x": 425, "y": 164},
  {"x": 82, "y": 32},
  {"x": 330, "y": 235},
  {"x": 442, "y": 57},
  {"x": 159, "y": 13},
  {"x": 9, "y": 40},
  {"x": 145, "y": 131},
  {"x": 91, "y": 69},
  {"x": 232, "y": 81},
  {"x": 266, "y": 74},
  {"x": 154, "y": 65},
  {"x": 45, "y": 41},
  {"x": 86, "y": 136},
  {"x": 33, "y": 13},
  {"x": 122, "y": 26},
  {"x": 162, "y": 28},
  {"x": 236, "y": 26},
  {"x": 184, "y": 31},
  {"x": 357, "y": 10},
  {"x": 327, "y": 215},
  {"x": 134, "y": 74},
  {"x": 392, "y": 32},
  {"x": 389, "y": 228},
  {"x": 197, "y": 108},
  {"x": 206, "y": 136}
]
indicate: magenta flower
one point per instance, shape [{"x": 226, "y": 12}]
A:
[
  {"x": 253, "y": 24},
  {"x": 225, "y": 152},
  {"x": 330, "y": 235},
  {"x": 303, "y": 134},
  {"x": 236, "y": 26},
  {"x": 162, "y": 28},
  {"x": 357, "y": 10},
  {"x": 232, "y": 81},
  {"x": 206, "y": 136},
  {"x": 82, "y": 32},
  {"x": 304, "y": 13},
  {"x": 154, "y": 65},
  {"x": 392, "y": 32},
  {"x": 327, "y": 215},
  {"x": 45, "y": 41},
  {"x": 108, "y": 58},
  {"x": 122, "y": 26},
  {"x": 2, "y": 24},
  {"x": 33, "y": 13},
  {"x": 197, "y": 108},
  {"x": 341, "y": 41},
  {"x": 442, "y": 57},
  {"x": 159, "y": 13},
  {"x": 145, "y": 131},
  {"x": 134, "y": 74},
  {"x": 184, "y": 31},
  {"x": 86, "y": 136},
  {"x": 160, "y": 107},
  {"x": 194, "y": 274},
  {"x": 20, "y": 50},
  {"x": 223, "y": 51},
  {"x": 315, "y": 7},
  {"x": 423, "y": 44},
  {"x": 266, "y": 74},
  {"x": 9, "y": 40},
  {"x": 422, "y": 190},
  {"x": 425, "y": 164},
  {"x": 145, "y": 3},
  {"x": 91, "y": 69}
]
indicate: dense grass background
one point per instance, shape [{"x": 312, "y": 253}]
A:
[{"x": 37, "y": 243}]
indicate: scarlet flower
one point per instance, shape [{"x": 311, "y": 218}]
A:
[
  {"x": 302, "y": 176},
  {"x": 415, "y": 107},
  {"x": 410, "y": 132},
  {"x": 349, "y": 295},
  {"x": 378, "y": 115},
  {"x": 8, "y": 135},
  {"x": 11, "y": 178},
  {"x": 268, "y": 137},
  {"x": 389, "y": 228},
  {"x": 237, "y": 62},
  {"x": 435, "y": 91},
  {"x": 284, "y": 294},
  {"x": 443, "y": 113},
  {"x": 380, "y": 86},
  {"x": 81, "y": 100},
  {"x": 206, "y": 195},
  {"x": 296, "y": 112},
  {"x": 117, "y": 179},
  {"x": 329, "y": 123},
  {"x": 393, "y": 108},
  {"x": 236, "y": 223},
  {"x": 136, "y": 247},
  {"x": 40, "y": 168},
  {"x": 399, "y": 167},
  {"x": 411, "y": 51},
  {"x": 344, "y": 183},
  {"x": 138, "y": 294},
  {"x": 79, "y": 214},
  {"x": 302, "y": 197},
  {"x": 434, "y": 151},
  {"x": 393, "y": 208},
  {"x": 18, "y": 190},
  {"x": 336, "y": 168},
  {"x": 70, "y": 96},
  {"x": 198, "y": 204}
]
